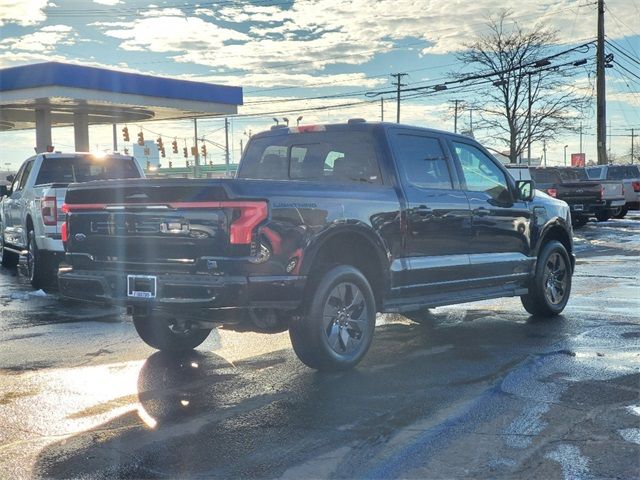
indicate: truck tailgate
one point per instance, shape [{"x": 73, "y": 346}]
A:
[{"x": 181, "y": 225}]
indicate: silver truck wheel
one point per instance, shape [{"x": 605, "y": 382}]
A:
[{"x": 337, "y": 329}]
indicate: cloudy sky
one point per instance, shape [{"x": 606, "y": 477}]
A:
[{"x": 287, "y": 53}]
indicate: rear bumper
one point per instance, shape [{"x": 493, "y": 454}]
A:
[{"x": 183, "y": 292}]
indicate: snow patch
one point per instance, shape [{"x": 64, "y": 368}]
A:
[{"x": 574, "y": 465}]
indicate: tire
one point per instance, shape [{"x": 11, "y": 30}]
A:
[
  {"x": 579, "y": 221},
  {"x": 603, "y": 216},
  {"x": 422, "y": 316},
  {"x": 39, "y": 268},
  {"x": 550, "y": 288},
  {"x": 337, "y": 328},
  {"x": 620, "y": 212},
  {"x": 159, "y": 333},
  {"x": 9, "y": 259}
]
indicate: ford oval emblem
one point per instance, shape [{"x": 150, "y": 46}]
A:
[{"x": 80, "y": 237}]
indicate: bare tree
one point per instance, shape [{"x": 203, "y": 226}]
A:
[{"x": 504, "y": 104}]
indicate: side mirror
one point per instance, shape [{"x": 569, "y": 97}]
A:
[
  {"x": 525, "y": 190},
  {"x": 10, "y": 178},
  {"x": 4, "y": 191}
]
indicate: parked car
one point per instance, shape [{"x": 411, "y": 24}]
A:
[
  {"x": 571, "y": 185},
  {"x": 30, "y": 215},
  {"x": 324, "y": 226},
  {"x": 629, "y": 175}
]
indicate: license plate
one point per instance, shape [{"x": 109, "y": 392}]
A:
[
  {"x": 578, "y": 208},
  {"x": 141, "y": 286}
]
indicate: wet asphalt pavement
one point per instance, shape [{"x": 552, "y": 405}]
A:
[{"x": 482, "y": 391}]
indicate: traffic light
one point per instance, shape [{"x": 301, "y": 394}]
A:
[
  {"x": 203, "y": 149},
  {"x": 141, "y": 138},
  {"x": 126, "y": 151},
  {"x": 194, "y": 151},
  {"x": 174, "y": 144},
  {"x": 148, "y": 165},
  {"x": 170, "y": 164},
  {"x": 187, "y": 163},
  {"x": 161, "y": 147},
  {"x": 185, "y": 153},
  {"x": 125, "y": 134}
]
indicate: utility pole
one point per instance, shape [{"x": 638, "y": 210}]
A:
[
  {"x": 455, "y": 115},
  {"x": 197, "y": 155},
  {"x": 580, "y": 137},
  {"x": 544, "y": 149},
  {"x": 632, "y": 142},
  {"x": 226, "y": 143},
  {"x": 382, "y": 109},
  {"x": 529, "y": 123},
  {"x": 241, "y": 147},
  {"x": 609, "y": 144},
  {"x": 601, "y": 111},
  {"x": 471, "y": 121},
  {"x": 115, "y": 138},
  {"x": 398, "y": 84}
]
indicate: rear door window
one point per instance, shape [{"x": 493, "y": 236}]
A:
[
  {"x": 337, "y": 157},
  {"x": 594, "y": 173},
  {"x": 422, "y": 161},
  {"x": 82, "y": 169}
]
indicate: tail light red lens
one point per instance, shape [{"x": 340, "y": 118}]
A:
[
  {"x": 49, "y": 209},
  {"x": 552, "y": 192},
  {"x": 251, "y": 214},
  {"x": 635, "y": 186},
  {"x": 64, "y": 232}
]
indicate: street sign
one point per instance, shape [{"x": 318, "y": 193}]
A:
[{"x": 577, "y": 159}]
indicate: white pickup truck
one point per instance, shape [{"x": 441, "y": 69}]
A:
[{"x": 30, "y": 215}]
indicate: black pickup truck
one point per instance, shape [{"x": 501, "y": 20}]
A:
[
  {"x": 585, "y": 198},
  {"x": 324, "y": 226}
]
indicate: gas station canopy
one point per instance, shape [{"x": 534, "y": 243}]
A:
[{"x": 51, "y": 94}]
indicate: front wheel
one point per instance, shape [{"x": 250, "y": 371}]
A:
[
  {"x": 167, "y": 335},
  {"x": 550, "y": 288},
  {"x": 337, "y": 329}
]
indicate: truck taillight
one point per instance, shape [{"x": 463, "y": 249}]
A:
[
  {"x": 49, "y": 209},
  {"x": 601, "y": 192},
  {"x": 635, "y": 186},
  {"x": 251, "y": 214},
  {"x": 552, "y": 192},
  {"x": 64, "y": 232}
]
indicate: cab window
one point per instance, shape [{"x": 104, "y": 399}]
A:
[
  {"x": 481, "y": 174},
  {"x": 423, "y": 162}
]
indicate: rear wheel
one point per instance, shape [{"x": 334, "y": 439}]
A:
[
  {"x": 9, "y": 259},
  {"x": 579, "y": 221},
  {"x": 550, "y": 288},
  {"x": 39, "y": 268},
  {"x": 167, "y": 335},
  {"x": 620, "y": 212},
  {"x": 337, "y": 329},
  {"x": 603, "y": 216}
]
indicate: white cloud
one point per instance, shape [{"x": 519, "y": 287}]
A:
[
  {"x": 22, "y": 12},
  {"x": 41, "y": 41},
  {"x": 107, "y": 2}
]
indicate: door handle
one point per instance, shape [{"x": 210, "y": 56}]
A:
[
  {"x": 481, "y": 212},
  {"x": 423, "y": 210}
]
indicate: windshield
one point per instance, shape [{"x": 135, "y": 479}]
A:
[
  {"x": 319, "y": 156},
  {"x": 85, "y": 169}
]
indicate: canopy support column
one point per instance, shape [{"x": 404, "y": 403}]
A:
[
  {"x": 43, "y": 129},
  {"x": 81, "y": 131}
]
